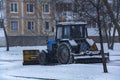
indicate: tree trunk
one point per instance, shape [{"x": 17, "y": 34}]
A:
[
  {"x": 101, "y": 39},
  {"x": 107, "y": 36},
  {"x": 113, "y": 39},
  {"x": 6, "y": 37},
  {"x": 102, "y": 49}
]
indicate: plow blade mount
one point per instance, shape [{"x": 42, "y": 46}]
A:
[
  {"x": 30, "y": 57},
  {"x": 95, "y": 58}
]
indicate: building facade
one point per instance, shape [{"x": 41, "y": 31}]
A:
[{"x": 29, "y": 17}]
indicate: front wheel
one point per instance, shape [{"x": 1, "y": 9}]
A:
[
  {"x": 42, "y": 58},
  {"x": 63, "y": 53}
]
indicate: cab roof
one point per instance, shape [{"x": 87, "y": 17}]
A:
[{"x": 71, "y": 23}]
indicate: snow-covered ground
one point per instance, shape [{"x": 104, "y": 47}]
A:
[
  {"x": 95, "y": 32},
  {"x": 11, "y": 67}
]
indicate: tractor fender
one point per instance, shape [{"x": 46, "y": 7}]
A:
[{"x": 71, "y": 42}]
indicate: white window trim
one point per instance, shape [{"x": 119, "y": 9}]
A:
[
  {"x": 33, "y": 26},
  {"x": 10, "y": 26},
  {"x": 44, "y": 6},
  {"x": 17, "y": 7},
  {"x": 33, "y": 9}
]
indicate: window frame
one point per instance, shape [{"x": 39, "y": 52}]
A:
[
  {"x": 15, "y": 29},
  {"x": 14, "y": 10},
  {"x": 32, "y": 28},
  {"x": 44, "y": 11},
  {"x": 28, "y": 6}
]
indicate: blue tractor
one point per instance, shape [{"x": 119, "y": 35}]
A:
[{"x": 71, "y": 45}]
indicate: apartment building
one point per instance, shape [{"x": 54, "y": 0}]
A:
[{"x": 29, "y": 17}]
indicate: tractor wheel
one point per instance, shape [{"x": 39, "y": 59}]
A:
[
  {"x": 42, "y": 58},
  {"x": 63, "y": 53}
]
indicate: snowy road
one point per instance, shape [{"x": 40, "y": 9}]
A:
[
  {"x": 7, "y": 65},
  {"x": 14, "y": 70},
  {"x": 3, "y": 70}
]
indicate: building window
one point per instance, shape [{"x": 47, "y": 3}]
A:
[
  {"x": 14, "y": 25},
  {"x": 47, "y": 25},
  {"x": 30, "y": 8},
  {"x": 30, "y": 26},
  {"x": 46, "y": 8},
  {"x": 14, "y": 7}
]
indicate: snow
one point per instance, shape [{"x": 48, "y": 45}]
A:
[
  {"x": 66, "y": 72},
  {"x": 73, "y": 43},
  {"x": 72, "y": 23},
  {"x": 11, "y": 67},
  {"x": 95, "y": 32},
  {"x": 66, "y": 1},
  {"x": 90, "y": 41},
  {"x": 2, "y": 38},
  {"x": 1, "y": 32},
  {"x": 92, "y": 32}
]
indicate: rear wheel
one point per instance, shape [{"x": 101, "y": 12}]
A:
[
  {"x": 64, "y": 53},
  {"x": 42, "y": 58}
]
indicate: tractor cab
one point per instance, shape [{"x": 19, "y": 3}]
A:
[{"x": 71, "y": 30}]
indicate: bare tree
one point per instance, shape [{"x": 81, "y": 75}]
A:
[
  {"x": 2, "y": 24},
  {"x": 111, "y": 36},
  {"x": 98, "y": 8},
  {"x": 112, "y": 16},
  {"x": 87, "y": 10},
  {"x": 93, "y": 10}
]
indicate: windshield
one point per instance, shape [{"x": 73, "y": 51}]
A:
[{"x": 77, "y": 32}]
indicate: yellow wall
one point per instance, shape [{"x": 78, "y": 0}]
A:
[{"x": 18, "y": 16}]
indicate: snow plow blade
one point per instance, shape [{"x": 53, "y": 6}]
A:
[
  {"x": 95, "y": 58},
  {"x": 30, "y": 57}
]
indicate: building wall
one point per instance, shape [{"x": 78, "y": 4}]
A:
[
  {"x": 23, "y": 17},
  {"x": 13, "y": 16}
]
